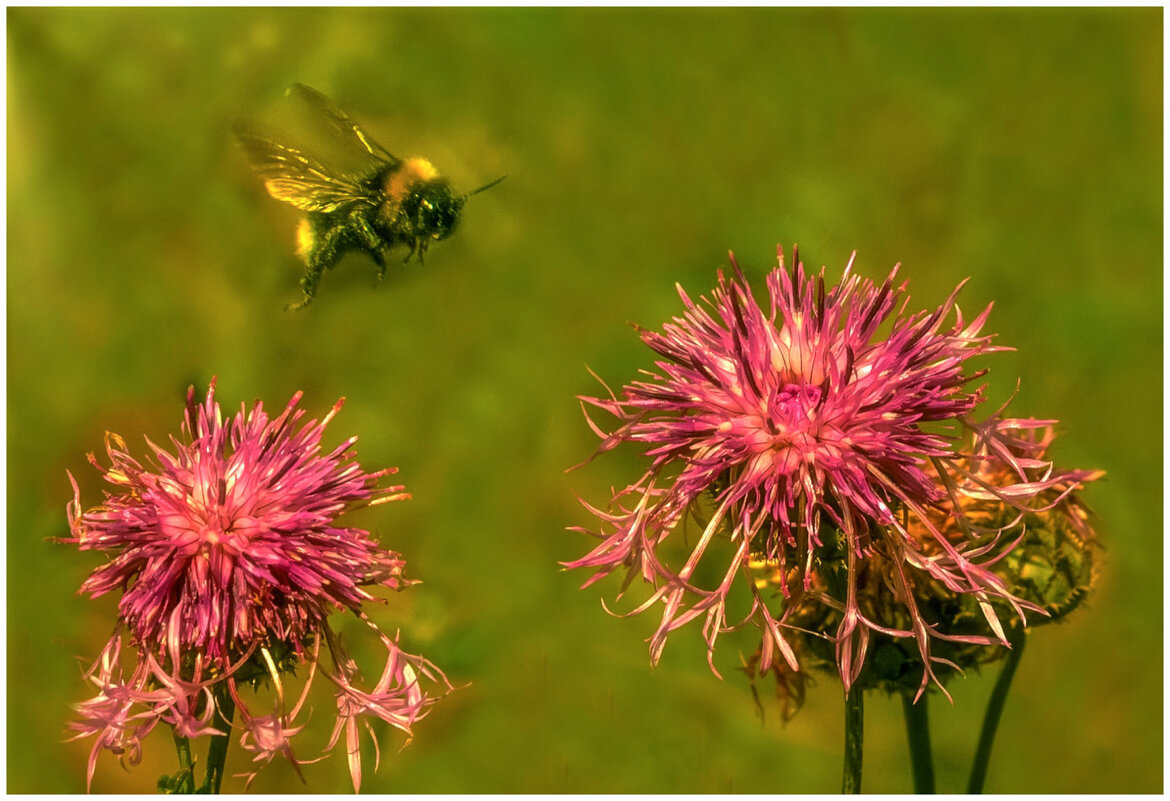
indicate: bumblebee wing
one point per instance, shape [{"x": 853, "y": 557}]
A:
[
  {"x": 297, "y": 178},
  {"x": 344, "y": 123}
]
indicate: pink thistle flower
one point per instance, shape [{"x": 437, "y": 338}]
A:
[
  {"x": 231, "y": 540},
  {"x": 792, "y": 432},
  {"x": 229, "y": 558}
]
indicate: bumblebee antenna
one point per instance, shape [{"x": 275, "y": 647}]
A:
[{"x": 486, "y": 186}]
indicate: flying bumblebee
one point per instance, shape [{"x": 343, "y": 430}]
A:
[{"x": 386, "y": 202}]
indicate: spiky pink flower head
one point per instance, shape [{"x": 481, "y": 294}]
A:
[
  {"x": 795, "y": 434},
  {"x": 229, "y": 557}
]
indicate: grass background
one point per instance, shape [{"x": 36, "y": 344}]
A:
[{"x": 1021, "y": 148}]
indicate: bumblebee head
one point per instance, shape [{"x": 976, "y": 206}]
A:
[{"x": 433, "y": 209}]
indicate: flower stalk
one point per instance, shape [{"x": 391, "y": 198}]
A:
[
  {"x": 854, "y": 741},
  {"x": 994, "y": 712},
  {"x": 183, "y": 781},
  {"x": 217, "y": 750},
  {"x": 917, "y": 717}
]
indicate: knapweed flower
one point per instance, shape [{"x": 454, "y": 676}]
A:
[
  {"x": 1051, "y": 565},
  {"x": 229, "y": 559},
  {"x": 808, "y": 434}
]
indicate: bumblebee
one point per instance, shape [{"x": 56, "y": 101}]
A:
[{"x": 386, "y": 202}]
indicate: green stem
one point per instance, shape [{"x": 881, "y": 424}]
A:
[
  {"x": 217, "y": 751},
  {"x": 186, "y": 768},
  {"x": 994, "y": 711},
  {"x": 918, "y": 734},
  {"x": 854, "y": 729}
]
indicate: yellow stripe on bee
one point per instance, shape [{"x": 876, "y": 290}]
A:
[
  {"x": 412, "y": 171},
  {"x": 305, "y": 239}
]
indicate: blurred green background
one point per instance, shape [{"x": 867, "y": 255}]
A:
[{"x": 1021, "y": 148}]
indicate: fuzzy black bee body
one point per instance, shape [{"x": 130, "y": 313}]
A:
[{"x": 393, "y": 201}]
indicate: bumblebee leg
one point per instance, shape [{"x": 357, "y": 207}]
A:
[
  {"x": 328, "y": 249},
  {"x": 308, "y": 287},
  {"x": 379, "y": 260},
  {"x": 370, "y": 240}
]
